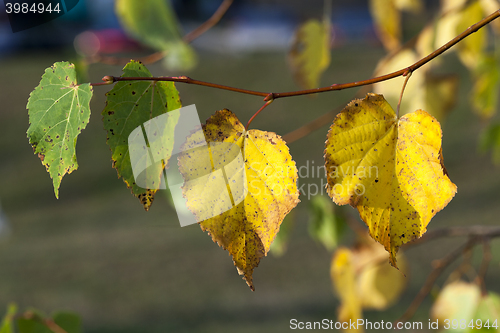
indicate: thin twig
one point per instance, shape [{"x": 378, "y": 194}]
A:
[
  {"x": 439, "y": 267},
  {"x": 256, "y": 113}
]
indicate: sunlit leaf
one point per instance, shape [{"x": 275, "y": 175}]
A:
[
  {"x": 154, "y": 23},
  {"x": 484, "y": 94},
  {"x": 325, "y": 225},
  {"x": 471, "y": 48},
  {"x": 58, "y": 111},
  {"x": 309, "y": 54},
  {"x": 244, "y": 222},
  {"x": 390, "y": 169},
  {"x": 128, "y": 106},
  {"x": 457, "y": 301},
  {"x": 379, "y": 285},
  {"x": 387, "y": 19}
]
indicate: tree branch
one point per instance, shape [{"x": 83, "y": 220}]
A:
[{"x": 333, "y": 87}]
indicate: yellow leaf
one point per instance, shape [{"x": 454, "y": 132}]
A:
[
  {"x": 390, "y": 169},
  {"x": 363, "y": 279},
  {"x": 309, "y": 54},
  {"x": 247, "y": 229},
  {"x": 457, "y": 301},
  {"x": 471, "y": 48},
  {"x": 344, "y": 282},
  {"x": 489, "y": 6},
  {"x": 387, "y": 20}
]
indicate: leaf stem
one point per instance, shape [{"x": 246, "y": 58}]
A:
[
  {"x": 256, "y": 113},
  {"x": 402, "y": 92}
]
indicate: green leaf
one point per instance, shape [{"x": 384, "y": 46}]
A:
[
  {"x": 129, "y": 105},
  {"x": 33, "y": 321},
  {"x": 7, "y": 325},
  {"x": 58, "y": 111},
  {"x": 309, "y": 55},
  {"x": 154, "y": 23},
  {"x": 325, "y": 226},
  {"x": 484, "y": 93},
  {"x": 487, "y": 310},
  {"x": 490, "y": 139},
  {"x": 280, "y": 243},
  {"x": 70, "y": 322}
]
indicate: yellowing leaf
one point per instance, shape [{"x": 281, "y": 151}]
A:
[
  {"x": 344, "y": 282},
  {"x": 390, "y": 169},
  {"x": 309, "y": 54},
  {"x": 472, "y": 47},
  {"x": 247, "y": 229},
  {"x": 387, "y": 20},
  {"x": 457, "y": 301}
]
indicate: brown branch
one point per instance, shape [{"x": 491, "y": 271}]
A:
[
  {"x": 188, "y": 38},
  {"x": 439, "y": 267},
  {"x": 271, "y": 96},
  {"x": 213, "y": 20}
]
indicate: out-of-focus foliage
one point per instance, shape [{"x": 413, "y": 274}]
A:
[
  {"x": 364, "y": 279},
  {"x": 309, "y": 54},
  {"x": 326, "y": 224},
  {"x": 154, "y": 23}
]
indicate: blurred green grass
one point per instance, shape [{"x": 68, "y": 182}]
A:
[{"x": 96, "y": 252}]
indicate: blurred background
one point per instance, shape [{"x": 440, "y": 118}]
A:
[{"x": 95, "y": 251}]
